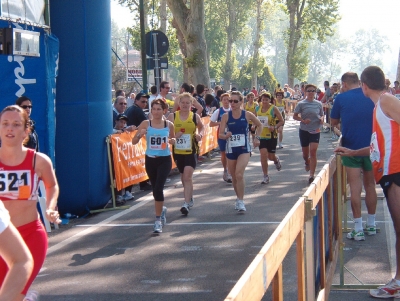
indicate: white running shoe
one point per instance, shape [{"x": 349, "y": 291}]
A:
[
  {"x": 191, "y": 203},
  {"x": 157, "y": 227},
  {"x": 185, "y": 208},
  {"x": 390, "y": 290},
  {"x": 265, "y": 179},
  {"x": 225, "y": 176},
  {"x": 229, "y": 178},
  {"x": 31, "y": 295},
  {"x": 240, "y": 206}
]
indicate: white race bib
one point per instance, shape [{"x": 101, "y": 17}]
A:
[
  {"x": 263, "y": 120},
  {"x": 281, "y": 109},
  {"x": 237, "y": 140},
  {"x": 184, "y": 142},
  {"x": 158, "y": 142},
  {"x": 16, "y": 180}
]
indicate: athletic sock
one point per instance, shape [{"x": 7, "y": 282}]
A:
[
  {"x": 371, "y": 220},
  {"x": 358, "y": 224}
]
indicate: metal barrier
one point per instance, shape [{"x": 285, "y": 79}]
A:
[{"x": 316, "y": 217}]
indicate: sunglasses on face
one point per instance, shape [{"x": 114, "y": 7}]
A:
[
  {"x": 143, "y": 101},
  {"x": 234, "y": 100},
  {"x": 310, "y": 91},
  {"x": 123, "y": 103},
  {"x": 26, "y": 107}
]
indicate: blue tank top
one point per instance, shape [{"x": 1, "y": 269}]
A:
[
  {"x": 239, "y": 141},
  {"x": 157, "y": 141}
]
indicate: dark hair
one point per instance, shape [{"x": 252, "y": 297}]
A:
[
  {"x": 153, "y": 89},
  {"x": 326, "y": 83},
  {"x": 220, "y": 92},
  {"x": 200, "y": 89},
  {"x": 186, "y": 87},
  {"x": 191, "y": 89},
  {"x": 374, "y": 78},
  {"x": 160, "y": 102},
  {"x": 119, "y": 93},
  {"x": 209, "y": 99},
  {"x": 237, "y": 93},
  {"x": 163, "y": 83},
  {"x": 350, "y": 78},
  {"x": 21, "y": 99}
]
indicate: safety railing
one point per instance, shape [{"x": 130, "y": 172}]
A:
[{"x": 314, "y": 224}]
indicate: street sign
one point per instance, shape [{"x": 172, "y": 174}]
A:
[
  {"x": 133, "y": 74},
  {"x": 162, "y": 63},
  {"x": 161, "y": 42}
]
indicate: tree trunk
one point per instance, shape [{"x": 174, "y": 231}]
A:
[
  {"x": 228, "y": 69},
  {"x": 182, "y": 46},
  {"x": 398, "y": 68},
  {"x": 163, "y": 16},
  {"x": 257, "y": 45},
  {"x": 191, "y": 24}
]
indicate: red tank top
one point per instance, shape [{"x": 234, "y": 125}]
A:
[{"x": 19, "y": 182}]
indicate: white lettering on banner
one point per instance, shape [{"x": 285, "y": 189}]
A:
[
  {"x": 130, "y": 151},
  {"x": 19, "y": 72}
]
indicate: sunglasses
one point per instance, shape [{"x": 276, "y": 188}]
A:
[
  {"x": 167, "y": 88},
  {"x": 234, "y": 100},
  {"x": 310, "y": 91},
  {"x": 26, "y": 107},
  {"x": 143, "y": 101},
  {"x": 123, "y": 103}
]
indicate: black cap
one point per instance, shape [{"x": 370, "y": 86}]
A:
[
  {"x": 122, "y": 117},
  {"x": 141, "y": 94}
]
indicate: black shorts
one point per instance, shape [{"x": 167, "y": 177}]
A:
[
  {"x": 306, "y": 138},
  {"x": 388, "y": 180},
  {"x": 185, "y": 160},
  {"x": 269, "y": 144},
  {"x": 250, "y": 130}
]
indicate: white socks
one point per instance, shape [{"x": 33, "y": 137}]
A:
[
  {"x": 358, "y": 224},
  {"x": 371, "y": 220}
]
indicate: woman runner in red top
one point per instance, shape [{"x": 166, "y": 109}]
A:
[{"x": 20, "y": 170}]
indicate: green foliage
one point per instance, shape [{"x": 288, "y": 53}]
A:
[{"x": 265, "y": 76}]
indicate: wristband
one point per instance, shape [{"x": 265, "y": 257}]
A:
[{"x": 257, "y": 137}]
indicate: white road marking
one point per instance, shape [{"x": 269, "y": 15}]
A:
[
  {"x": 94, "y": 227},
  {"x": 176, "y": 224}
]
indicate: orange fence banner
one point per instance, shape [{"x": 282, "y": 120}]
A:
[
  {"x": 129, "y": 159},
  {"x": 210, "y": 137}
]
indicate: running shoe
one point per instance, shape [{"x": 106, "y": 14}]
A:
[
  {"x": 185, "y": 208},
  {"x": 31, "y": 295},
  {"x": 225, "y": 176},
  {"x": 278, "y": 164},
  {"x": 356, "y": 235},
  {"x": 371, "y": 230},
  {"x": 307, "y": 166},
  {"x": 389, "y": 290},
  {"x": 280, "y": 145},
  {"x": 229, "y": 178},
  {"x": 157, "y": 227},
  {"x": 310, "y": 179},
  {"x": 164, "y": 216},
  {"x": 240, "y": 206},
  {"x": 191, "y": 203},
  {"x": 128, "y": 196},
  {"x": 265, "y": 180}
]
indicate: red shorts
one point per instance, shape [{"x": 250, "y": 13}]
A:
[{"x": 35, "y": 237}]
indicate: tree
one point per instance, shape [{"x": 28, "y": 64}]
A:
[
  {"x": 265, "y": 76},
  {"x": 257, "y": 42},
  {"x": 307, "y": 18},
  {"x": 189, "y": 23},
  {"x": 367, "y": 48}
]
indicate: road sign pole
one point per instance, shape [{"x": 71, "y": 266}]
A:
[
  {"x": 157, "y": 75},
  {"x": 143, "y": 46}
]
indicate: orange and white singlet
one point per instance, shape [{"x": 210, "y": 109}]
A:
[{"x": 385, "y": 142}]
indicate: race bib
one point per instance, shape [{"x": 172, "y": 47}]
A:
[
  {"x": 263, "y": 120},
  {"x": 237, "y": 140},
  {"x": 281, "y": 109},
  {"x": 158, "y": 142},
  {"x": 16, "y": 181},
  {"x": 184, "y": 142}
]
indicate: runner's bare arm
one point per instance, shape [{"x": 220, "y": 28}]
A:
[
  {"x": 391, "y": 107},
  {"x": 142, "y": 129},
  {"x": 200, "y": 128}
]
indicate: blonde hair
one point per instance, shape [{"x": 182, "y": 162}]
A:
[{"x": 186, "y": 94}]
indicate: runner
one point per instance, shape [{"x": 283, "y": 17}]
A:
[
  {"x": 311, "y": 120},
  {"x": 186, "y": 148},
  {"x": 215, "y": 121},
  {"x": 280, "y": 104},
  {"x": 251, "y": 106},
  {"x": 22, "y": 168},
  {"x": 271, "y": 119},
  {"x": 238, "y": 148},
  {"x": 159, "y": 133}
]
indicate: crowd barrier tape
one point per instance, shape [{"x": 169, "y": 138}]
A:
[{"x": 129, "y": 160}]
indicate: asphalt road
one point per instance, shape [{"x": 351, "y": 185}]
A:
[{"x": 115, "y": 256}]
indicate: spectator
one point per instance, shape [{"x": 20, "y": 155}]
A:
[
  {"x": 153, "y": 91},
  {"x": 389, "y": 89},
  {"x": 130, "y": 100},
  {"x": 119, "y": 93},
  {"x": 119, "y": 107},
  {"x": 200, "y": 91},
  {"x": 384, "y": 152},
  {"x": 209, "y": 100},
  {"x": 33, "y": 141},
  {"x": 254, "y": 90},
  {"x": 354, "y": 110},
  {"x": 396, "y": 87},
  {"x": 187, "y": 88},
  {"x": 164, "y": 90}
]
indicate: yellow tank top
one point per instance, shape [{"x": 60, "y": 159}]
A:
[
  {"x": 267, "y": 119},
  {"x": 279, "y": 104},
  {"x": 251, "y": 108},
  {"x": 185, "y": 144}
]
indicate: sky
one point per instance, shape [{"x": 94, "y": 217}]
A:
[{"x": 383, "y": 15}]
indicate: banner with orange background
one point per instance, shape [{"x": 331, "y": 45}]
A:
[{"x": 129, "y": 159}]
